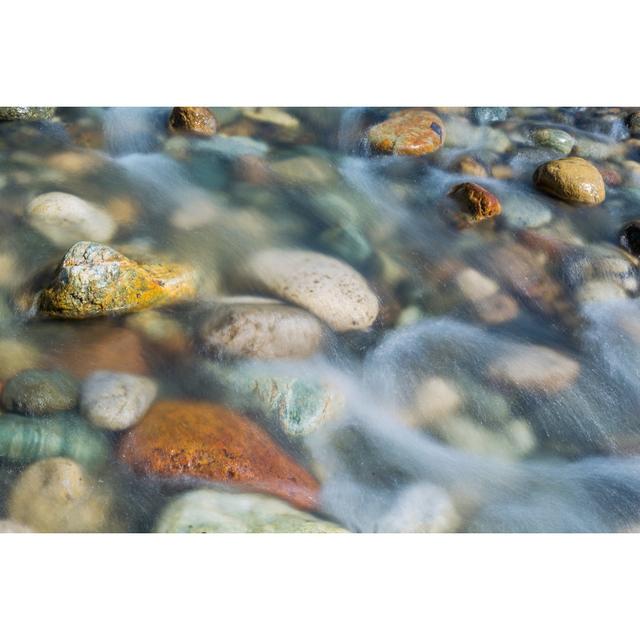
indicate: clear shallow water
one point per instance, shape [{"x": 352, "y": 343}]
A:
[{"x": 497, "y": 389}]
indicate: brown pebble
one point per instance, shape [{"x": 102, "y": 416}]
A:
[
  {"x": 479, "y": 203},
  {"x": 198, "y": 121}
]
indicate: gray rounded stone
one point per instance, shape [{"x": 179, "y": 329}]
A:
[
  {"x": 116, "y": 401},
  {"x": 260, "y": 328},
  {"x": 522, "y": 211},
  {"x": 36, "y": 392}
]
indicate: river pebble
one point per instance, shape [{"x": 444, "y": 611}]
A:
[
  {"x": 198, "y": 121},
  {"x": 325, "y": 286},
  {"x": 298, "y": 406},
  {"x": 58, "y": 495},
  {"x": 116, "y": 401},
  {"x": 411, "y": 132},
  {"x": 478, "y": 203},
  {"x": 534, "y": 368},
  {"x": 555, "y": 138},
  {"x": 571, "y": 179},
  {"x": 211, "y": 511},
  {"x": 522, "y": 211},
  {"x": 260, "y": 328},
  {"x": 64, "y": 219},
  {"x": 37, "y": 392}
]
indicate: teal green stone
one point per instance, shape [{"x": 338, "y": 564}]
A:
[
  {"x": 24, "y": 439},
  {"x": 555, "y": 138}
]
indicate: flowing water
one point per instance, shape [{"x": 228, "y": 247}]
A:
[{"x": 497, "y": 389}]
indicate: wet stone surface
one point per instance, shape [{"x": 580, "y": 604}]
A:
[{"x": 272, "y": 319}]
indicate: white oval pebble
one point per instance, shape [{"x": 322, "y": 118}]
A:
[
  {"x": 326, "y": 286},
  {"x": 116, "y": 401},
  {"x": 65, "y": 219}
]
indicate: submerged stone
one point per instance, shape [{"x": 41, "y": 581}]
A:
[
  {"x": 572, "y": 179},
  {"x": 462, "y": 133},
  {"x": 326, "y": 286},
  {"x": 95, "y": 280},
  {"x": 260, "y": 328},
  {"x": 64, "y": 218},
  {"x": 555, "y": 138},
  {"x": 186, "y": 439},
  {"x": 116, "y": 401},
  {"x": 412, "y": 132},
  {"x": 522, "y": 211},
  {"x": 38, "y": 392},
  {"x": 534, "y": 368},
  {"x": 211, "y": 511},
  {"x": 59, "y": 495},
  {"x": 297, "y": 406},
  {"x": 25, "y": 439},
  {"x": 485, "y": 115}
]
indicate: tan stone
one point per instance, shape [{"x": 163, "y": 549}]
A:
[{"x": 571, "y": 179}]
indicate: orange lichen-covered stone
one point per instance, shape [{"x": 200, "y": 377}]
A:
[
  {"x": 478, "y": 202},
  {"x": 198, "y": 121},
  {"x": 202, "y": 440},
  {"x": 95, "y": 280},
  {"x": 410, "y": 132}
]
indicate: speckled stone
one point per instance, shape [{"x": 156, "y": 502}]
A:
[
  {"x": 325, "y": 286},
  {"x": 199, "y": 440},
  {"x": 198, "y": 121},
  {"x": 298, "y": 406},
  {"x": 555, "y": 139},
  {"x": 413, "y": 132},
  {"x": 116, "y": 401},
  {"x": 37, "y": 392},
  {"x": 59, "y": 495},
  {"x": 260, "y": 328},
  {"x": 26, "y": 113},
  {"x": 94, "y": 280},
  {"x": 211, "y": 511}
]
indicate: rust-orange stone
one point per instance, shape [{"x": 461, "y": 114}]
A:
[
  {"x": 478, "y": 202},
  {"x": 179, "y": 438},
  {"x": 409, "y": 132}
]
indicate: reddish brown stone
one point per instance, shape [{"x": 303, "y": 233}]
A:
[
  {"x": 202, "y": 440},
  {"x": 479, "y": 203},
  {"x": 198, "y": 121},
  {"x": 112, "y": 348},
  {"x": 410, "y": 132}
]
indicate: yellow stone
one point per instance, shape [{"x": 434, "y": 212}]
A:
[{"x": 95, "y": 280}]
